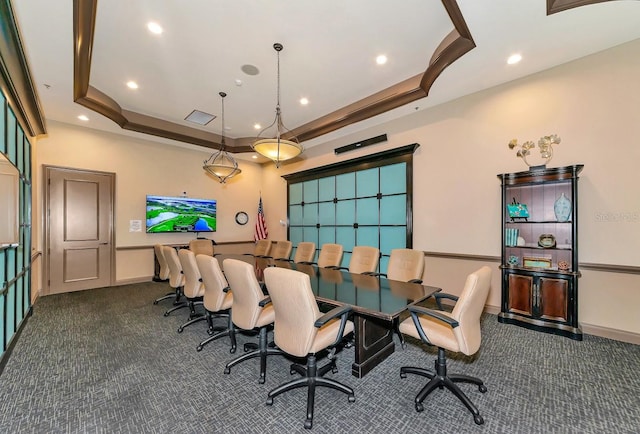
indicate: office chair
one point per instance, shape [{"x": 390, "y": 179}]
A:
[
  {"x": 193, "y": 289},
  {"x": 201, "y": 246},
  {"x": 456, "y": 331},
  {"x": 262, "y": 248},
  {"x": 330, "y": 255},
  {"x": 364, "y": 259},
  {"x": 305, "y": 252},
  {"x": 301, "y": 330},
  {"x": 176, "y": 278},
  {"x": 163, "y": 273},
  {"x": 251, "y": 309},
  {"x": 281, "y": 250},
  {"x": 217, "y": 300}
]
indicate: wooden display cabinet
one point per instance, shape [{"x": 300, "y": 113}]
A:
[{"x": 540, "y": 265}]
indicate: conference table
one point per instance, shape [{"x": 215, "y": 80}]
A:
[{"x": 377, "y": 302}]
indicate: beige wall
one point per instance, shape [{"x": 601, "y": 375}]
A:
[{"x": 592, "y": 103}]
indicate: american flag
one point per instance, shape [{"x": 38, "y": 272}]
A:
[{"x": 261, "y": 225}]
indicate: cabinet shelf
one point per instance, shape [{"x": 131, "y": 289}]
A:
[
  {"x": 537, "y": 222},
  {"x": 541, "y": 297}
]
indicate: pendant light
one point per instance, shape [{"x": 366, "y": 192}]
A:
[
  {"x": 275, "y": 147},
  {"x": 220, "y": 164}
]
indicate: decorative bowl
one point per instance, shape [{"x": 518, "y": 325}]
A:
[{"x": 547, "y": 241}]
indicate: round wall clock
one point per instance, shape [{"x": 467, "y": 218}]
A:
[{"x": 242, "y": 218}]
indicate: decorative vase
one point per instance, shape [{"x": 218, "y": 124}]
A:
[{"x": 562, "y": 208}]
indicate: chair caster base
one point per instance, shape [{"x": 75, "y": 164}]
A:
[
  {"x": 199, "y": 348},
  {"x": 352, "y": 398},
  {"x": 403, "y": 375},
  {"x": 166, "y": 314},
  {"x": 308, "y": 424},
  {"x": 269, "y": 401},
  {"x": 227, "y": 370},
  {"x": 482, "y": 388},
  {"x": 180, "y": 329},
  {"x": 478, "y": 419},
  {"x": 419, "y": 407},
  {"x": 261, "y": 380},
  {"x": 155, "y": 302}
]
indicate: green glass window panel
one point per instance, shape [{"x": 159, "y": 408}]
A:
[
  {"x": 11, "y": 299},
  {"x": 327, "y": 213},
  {"x": 310, "y": 234},
  {"x": 346, "y": 237},
  {"x": 393, "y": 178},
  {"x": 295, "y": 193},
  {"x": 11, "y": 136},
  {"x": 384, "y": 264},
  {"x": 367, "y": 236},
  {"x": 3, "y": 109},
  {"x": 3, "y": 258},
  {"x": 11, "y": 263},
  {"x": 2, "y": 334},
  {"x": 26, "y": 299},
  {"x": 296, "y": 235},
  {"x": 310, "y": 191},
  {"x": 327, "y": 188},
  {"x": 367, "y": 182},
  {"x": 327, "y": 235},
  {"x": 295, "y": 214},
  {"x": 367, "y": 211},
  {"x": 310, "y": 214},
  {"x": 393, "y": 210},
  {"x": 27, "y": 213},
  {"x": 20, "y": 252},
  {"x": 346, "y": 212},
  {"x": 19, "y": 299},
  {"x": 346, "y": 258},
  {"x": 27, "y": 159},
  {"x": 20, "y": 150},
  {"x": 393, "y": 238},
  {"x": 346, "y": 185}
]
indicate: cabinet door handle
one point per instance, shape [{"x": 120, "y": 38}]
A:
[{"x": 536, "y": 296}]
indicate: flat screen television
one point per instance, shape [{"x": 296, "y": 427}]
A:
[{"x": 180, "y": 214}]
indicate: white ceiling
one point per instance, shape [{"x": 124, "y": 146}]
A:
[{"x": 329, "y": 53}]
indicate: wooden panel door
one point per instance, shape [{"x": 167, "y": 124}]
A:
[
  {"x": 79, "y": 229},
  {"x": 554, "y": 298},
  {"x": 520, "y": 294}
]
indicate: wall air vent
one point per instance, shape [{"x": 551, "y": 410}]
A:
[{"x": 200, "y": 118}]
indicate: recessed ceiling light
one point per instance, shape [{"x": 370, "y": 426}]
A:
[
  {"x": 381, "y": 59},
  {"x": 132, "y": 85},
  {"x": 154, "y": 28},
  {"x": 514, "y": 58},
  {"x": 257, "y": 126},
  {"x": 83, "y": 118},
  {"x": 238, "y": 82},
  {"x": 304, "y": 101}
]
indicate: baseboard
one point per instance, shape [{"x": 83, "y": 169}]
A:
[
  {"x": 609, "y": 333},
  {"x": 142, "y": 279}
]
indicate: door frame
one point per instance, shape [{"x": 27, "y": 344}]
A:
[{"x": 47, "y": 170}]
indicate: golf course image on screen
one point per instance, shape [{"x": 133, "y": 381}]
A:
[{"x": 180, "y": 214}]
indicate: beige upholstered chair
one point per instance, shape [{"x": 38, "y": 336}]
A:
[
  {"x": 305, "y": 252},
  {"x": 330, "y": 255},
  {"x": 176, "y": 278},
  {"x": 162, "y": 273},
  {"x": 262, "y": 248},
  {"x": 250, "y": 310},
  {"x": 201, "y": 246},
  {"x": 364, "y": 259},
  {"x": 281, "y": 250},
  {"x": 301, "y": 330},
  {"x": 457, "y": 331},
  {"x": 193, "y": 289},
  {"x": 217, "y": 299},
  {"x": 406, "y": 265}
]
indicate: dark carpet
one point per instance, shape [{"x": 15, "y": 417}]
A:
[{"x": 108, "y": 361}]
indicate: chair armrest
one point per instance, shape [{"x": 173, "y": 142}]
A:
[
  {"x": 339, "y": 311},
  {"x": 373, "y": 273},
  {"x": 415, "y": 281},
  {"x": 440, "y": 295},
  {"x": 226, "y": 289},
  {"x": 308, "y": 263},
  {"x": 333, "y": 267},
  {"x": 265, "y": 301},
  {"x": 419, "y": 310}
]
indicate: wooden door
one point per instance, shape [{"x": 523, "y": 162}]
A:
[{"x": 78, "y": 229}]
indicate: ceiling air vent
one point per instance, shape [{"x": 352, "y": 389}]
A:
[{"x": 200, "y": 118}]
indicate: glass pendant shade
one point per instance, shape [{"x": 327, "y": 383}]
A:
[
  {"x": 276, "y": 148},
  {"x": 220, "y": 164}
]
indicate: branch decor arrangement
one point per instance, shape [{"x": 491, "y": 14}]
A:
[{"x": 546, "y": 149}]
